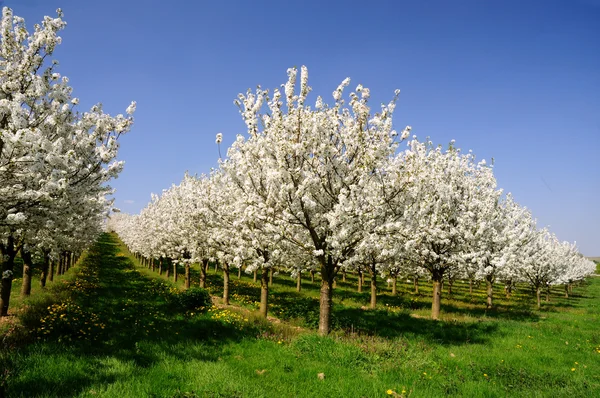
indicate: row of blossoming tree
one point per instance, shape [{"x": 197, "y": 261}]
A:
[
  {"x": 54, "y": 160},
  {"x": 329, "y": 188}
]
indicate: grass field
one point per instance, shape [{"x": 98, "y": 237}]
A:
[{"x": 109, "y": 328}]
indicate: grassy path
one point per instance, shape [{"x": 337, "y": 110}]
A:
[{"x": 113, "y": 331}]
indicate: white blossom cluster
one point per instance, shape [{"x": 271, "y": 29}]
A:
[
  {"x": 328, "y": 188},
  {"x": 55, "y": 161}
]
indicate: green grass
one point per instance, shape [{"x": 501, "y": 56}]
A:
[{"x": 137, "y": 343}]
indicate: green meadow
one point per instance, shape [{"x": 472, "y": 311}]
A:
[{"x": 111, "y": 328}]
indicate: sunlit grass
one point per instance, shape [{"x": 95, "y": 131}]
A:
[{"x": 137, "y": 344}]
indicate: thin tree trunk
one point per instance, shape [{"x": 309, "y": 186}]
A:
[
  {"x": 160, "y": 266},
  {"x": 45, "y": 267},
  {"x": 152, "y": 264},
  {"x": 51, "y": 272},
  {"x": 360, "y": 281},
  {"x": 167, "y": 268},
  {"x": 395, "y": 285},
  {"x": 188, "y": 277},
  {"x": 436, "y": 302},
  {"x": 312, "y": 276},
  {"x": 490, "y": 293},
  {"x": 373, "y": 290},
  {"x": 203, "y": 268},
  {"x": 325, "y": 303},
  {"x": 216, "y": 265},
  {"x": 567, "y": 291},
  {"x": 240, "y": 272},
  {"x": 450, "y": 284},
  {"x": 271, "y": 277},
  {"x": 225, "y": 283},
  {"x": 343, "y": 275},
  {"x": 255, "y": 276},
  {"x": 538, "y": 294},
  {"x": 299, "y": 282},
  {"x": 175, "y": 275},
  {"x": 264, "y": 292},
  {"x": 416, "y": 284},
  {"x": 9, "y": 252},
  {"x": 27, "y": 270},
  {"x": 471, "y": 286},
  {"x": 548, "y": 294}
]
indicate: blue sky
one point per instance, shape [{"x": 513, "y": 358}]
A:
[{"x": 518, "y": 81}]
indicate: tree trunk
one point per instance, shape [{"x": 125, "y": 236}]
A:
[
  {"x": 160, "y": 266},
  {"x": 167, "y": 268},
  {"x": 271, "y": 277},
  {"x": 203, "y": 268},
  {"x": 175, "y": 276},
  {"x": 538, "y": 294},
  {"x": 45, "y": 267},
  {"x": 360, "y": 281},
  {"x": 471, "y": 286},
  {"x": 343, "y": 275},
  {"x": 394, "y": 285},
  {"x": 373, "y": 290},
  {"x": 299, "y": 282},
  {"x": 437, "y": 278},
  {"x": 312, "y": 276},
  {"x": 490, "y": 293},
  {"x": 264, "y": 292},
  {"x": 225, "y": 283},
  {"x": 188, "y": 278},
  {"x": 240, "y": 272},
  {"x": 450, "y": 283},
  {"x": 9, "y": 252},
  {"x": 51, "y": 271},
  {"x": 152, "y": 264},
  {"x": 216, "y": 266},
  {"x": 325, "y": 303},
  {"x": 255, "y": 276},
  {"x": 567, "y": 291},
  {"x": 27, "y": 270},
  {"x": 548, "y": 293},
  {"x": 416, "y": 284}
]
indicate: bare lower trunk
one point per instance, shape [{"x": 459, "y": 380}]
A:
[
  {"x": 394, "y": 285},
  {"x": 8, "y": 252},
  {"x": 264, "y": 292},
  {"x": 27, "y": 269},
  {"x": 226, "y": 283},
  {"x": 45, "y": 267},
  {"x": 437, "y": 279},
  {"x": 188, "y": 281},
  {"x": 343, "y": 275},
  {"x": 566, "y": 291},
  {"x": 416, "y": 285},
  {"x": 152, "y": 265},
  {"x": 271, "y": 277},
  {"x": 240, "y": 272},
  {"x": 548, "y": 294},
  {"x": 51, "y": 271},
  {"x": 160, "y": 266},
  {"x": 325, "y": 304},
  {"x": 471, "y": 286},
  {"x": 216, "y": 265},
  {"x": 538, "y": 294},
  {"x": 360, "y": 282},
  {"x": 490, "y": 294},
  {"x": 175, "y": 275},
  {"x": 255, "y": 276},
  {"x": 312, "y": 276},
  {"x": 373, "y": 291},
  {"x": 203, "y": 268},
  {"x": 299, "y": 282},
  {"x": 450, "y": 284}
]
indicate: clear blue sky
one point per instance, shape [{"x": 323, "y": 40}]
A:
[{"x": 518, "y": 81}]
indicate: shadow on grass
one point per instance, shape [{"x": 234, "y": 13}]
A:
[{"x": 136, "y": 324}]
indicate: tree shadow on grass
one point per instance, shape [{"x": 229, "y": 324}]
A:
[{"x": 136, "y": 324}]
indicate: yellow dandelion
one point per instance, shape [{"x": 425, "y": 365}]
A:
[
  {"x": 572, "y": 369},
  {"x": 389, "y": 392}
]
